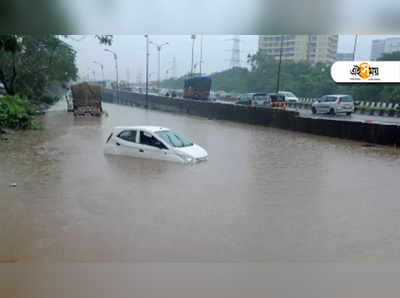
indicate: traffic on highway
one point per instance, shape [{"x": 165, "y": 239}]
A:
[{"x": 328, "y": 107}]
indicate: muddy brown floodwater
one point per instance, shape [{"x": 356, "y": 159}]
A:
[{"x": 264, "y": 195}]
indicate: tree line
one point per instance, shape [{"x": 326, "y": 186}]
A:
[
  {"x": 34, "y": 70},
  {"x": 302, "y": 78}
]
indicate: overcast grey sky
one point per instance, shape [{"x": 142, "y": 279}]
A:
[{"x": 131, "y": 51}]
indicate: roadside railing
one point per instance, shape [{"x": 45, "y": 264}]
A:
[{"x": 361, "y": 107}]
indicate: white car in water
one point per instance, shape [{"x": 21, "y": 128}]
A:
[{"x": 153, "y": 142}]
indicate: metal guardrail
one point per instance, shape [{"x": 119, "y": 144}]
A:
[{"x": 361, "y": 107}]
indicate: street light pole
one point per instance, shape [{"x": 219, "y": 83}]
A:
[
  {"x": 279, "y": 66},
  {"x": 193, "y": 37},
  {"x": 147, "y": 69},
  {"x": 116, "y": 69},
  {"x": 159, "y": 68},
  {"x": 102, "y": 70},
  {"x": 201, "y": 53},
  {"x": 159, "y": 48}
]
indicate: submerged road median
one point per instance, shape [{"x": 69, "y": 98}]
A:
[{"x": 384, "y": 134}]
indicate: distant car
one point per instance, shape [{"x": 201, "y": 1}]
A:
[
  {"x": 253, "y": 99},
  {"x": 243, "y": 100},
  {"x": 333, "y": 104},
  {"x": 153, "y": 142},
  {"x": 289, "y": 96}
]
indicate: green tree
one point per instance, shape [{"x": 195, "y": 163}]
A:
[
  {"x": 9, "y": 47},
  {"x": 34, "y": 62},
  {"x": 390, "y": 92}
]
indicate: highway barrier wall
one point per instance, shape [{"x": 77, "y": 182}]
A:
[
  {"x": 362, "y": 107},
  {"x": 360, "y": 131}
]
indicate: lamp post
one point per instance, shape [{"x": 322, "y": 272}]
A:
[
  {"x": 147, "y": 69},
  {"x": 159, "y": 48},
  {"x": 102, "y": 70},
  {"x": 193, "y": 37},
  {"x": 201, "y": 54},
  {"x": 279, "y": 66},
  {"x": 116, "y": 69}
]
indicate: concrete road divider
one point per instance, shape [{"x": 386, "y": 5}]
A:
[{"x": 365, "y": 131}]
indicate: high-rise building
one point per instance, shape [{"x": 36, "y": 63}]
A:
[
  {"x": 311, "y": 48},
  {"x": 377, "y": 49},
  {"x": 384, "y": 46},
  {"x": 392, "y": 45},
  {"x": 344, "y": 57}
]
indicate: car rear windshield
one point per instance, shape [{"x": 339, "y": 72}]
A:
[
  {"x": 259, "y": 96},
  {"x": 346, "y": 99},
  {"x": 173, "y": 139},
  {"x": 330, "y": 99}
]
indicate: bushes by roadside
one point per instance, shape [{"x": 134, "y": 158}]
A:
[
  {"x": 48, "y": 98},
  {"x": 15, "y": 112}
]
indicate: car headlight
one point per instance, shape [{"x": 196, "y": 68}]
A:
[{"x": 186, "y": 159}]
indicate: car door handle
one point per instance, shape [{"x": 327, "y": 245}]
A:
[
  {"x": 118, "y": 144},
  {"x": 141, "y": 150}
]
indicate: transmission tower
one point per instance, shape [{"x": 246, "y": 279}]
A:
[{"x": 235, "y": 58}]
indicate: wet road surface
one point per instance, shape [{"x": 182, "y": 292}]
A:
[
  {"x": 352, "y": 117},
  {"x": 264, "y": 195}
]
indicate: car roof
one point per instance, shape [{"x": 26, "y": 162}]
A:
[
  {"x": 147, "y": 128},
  {"x": 337, "y": 95}
]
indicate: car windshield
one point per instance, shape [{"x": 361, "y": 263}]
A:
[{"x": 173, "y": 139}]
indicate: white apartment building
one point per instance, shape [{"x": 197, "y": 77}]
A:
[{"x": 311, "y": 48}]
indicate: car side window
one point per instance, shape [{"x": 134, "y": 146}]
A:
[
  {"x": 149, "y": 140},
  {"x": 128, "y": 135},
  {"x": 346, "y": 99}
]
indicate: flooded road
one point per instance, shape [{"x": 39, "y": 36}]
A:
[{"x": 264, "y": 195}]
